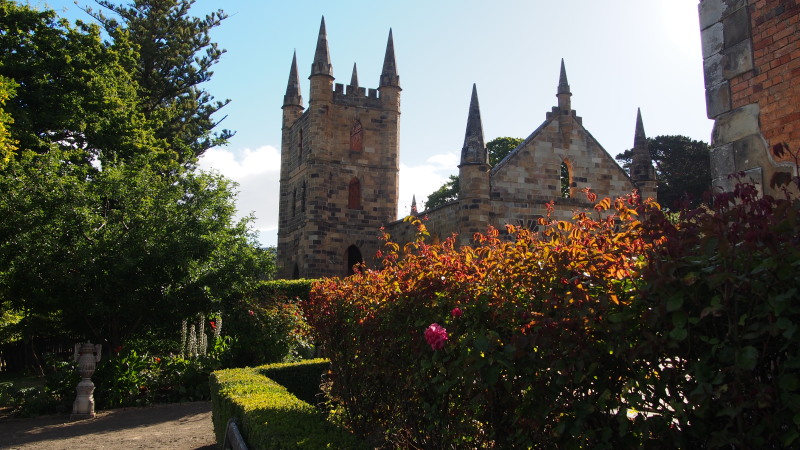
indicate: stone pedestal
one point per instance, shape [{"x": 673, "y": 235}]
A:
[{"x": 87, "y": 355}]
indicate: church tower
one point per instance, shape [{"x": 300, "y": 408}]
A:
[{"x": 340, "y": 166}]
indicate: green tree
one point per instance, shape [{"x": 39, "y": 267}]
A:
[
  {"x": 682, "y": 166},
  {"x": 174, "y": 57},
  {"x": 7, "y": 145},
  {"x": 108, "y": 250},
  {"x": 498, "y": 149},
  {"x": 127, "y": 250},
  {"x": 72, "y": 90},
  {"x": 447, "y": 193}
]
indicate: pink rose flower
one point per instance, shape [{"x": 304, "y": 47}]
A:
[
  {"x": 456, "y": 312},
  {"x": 435, "y": 334}
]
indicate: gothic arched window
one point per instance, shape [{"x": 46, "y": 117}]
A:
[
  {"x": 566, "y": 180},
  {"x": 357, "y": 137},
  {"x": 354, "y": 194}
]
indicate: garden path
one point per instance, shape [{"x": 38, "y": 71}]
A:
[{"x": 182, "y": 426}]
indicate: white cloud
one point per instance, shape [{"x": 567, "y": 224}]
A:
[
  {"x": 257, "y": 172},
  {"x": 422, "y": 180},
  {"x": 239, "y": 164}
]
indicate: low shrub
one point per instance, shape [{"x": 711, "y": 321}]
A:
[
  {"x": 520, "y": 340},
  {"x": 262, "y": 333},
  {"x": 632, "y": 330},
  {"x": 269, "y": 417},
  {"x": 266, "y": 325},
  {"x": 34, "y": 396},
  {"x": 131, "y": 379}
]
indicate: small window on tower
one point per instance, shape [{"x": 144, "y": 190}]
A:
[
  {"x": 354, "y": 194},
  {"x": 357, "y": 137},
  {"x": 303, "y": 198},
  {"x": 566, "y": 180},
  {"x": 300, "y": 145}
]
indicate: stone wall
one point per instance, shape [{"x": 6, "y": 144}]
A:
[
  {"x": 528, "y": 178},
  {"x": 751, "y": 61}
]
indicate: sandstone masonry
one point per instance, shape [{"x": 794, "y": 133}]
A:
[{"x": 340, "y": 166}]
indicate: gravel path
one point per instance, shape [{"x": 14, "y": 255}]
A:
[{"x": 181, "y": 426}]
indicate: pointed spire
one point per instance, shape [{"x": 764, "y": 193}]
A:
[
  {"x": 414, "y": 204},
  {"x": 354, "y": 78},
  {"x": 563, "y": 84},
  {"x": 389, "y": 76},
  {"x": 641, "y": 161},
  {"x": 293, "y": 95},
  {"x": 563, "y": 94},
  {"x": 322, "y": 57},
  {"x": 639, "y": 138},
  {"x": 474, "y": 150}
]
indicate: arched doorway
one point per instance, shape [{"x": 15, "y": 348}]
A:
[{"x": 353, "y": 258}]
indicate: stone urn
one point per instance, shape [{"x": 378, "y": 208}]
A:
[{"x": 87, "y": 355}]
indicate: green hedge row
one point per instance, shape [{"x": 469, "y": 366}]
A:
[
  {"x": 288, "y": 289},
  {"x": 269, "y": 416},
  {"x": 302, "y": 378}
]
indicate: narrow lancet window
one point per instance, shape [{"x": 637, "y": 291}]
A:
[
  {"x": 303, "y": 198},
  {"x": 354, "y": 194},
  {"x": 300, "y": 145},
  {"x": 357, "y": 137},
  {"x": 566, "y": 180}
]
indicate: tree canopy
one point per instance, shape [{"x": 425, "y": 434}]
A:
[
  {"x": 107, "y": 226},
  {"x": 129, "y": 248},
  {"x": 72, "y": 90},
  {"x": 498, "y": 149},
  {"x": 173, "y": 59},
  {"x": 682, "y": 165}
]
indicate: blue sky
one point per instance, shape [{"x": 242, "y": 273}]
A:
[{"x": 619, "y": 54}]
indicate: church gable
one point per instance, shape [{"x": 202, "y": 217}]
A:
[{"x": 558, "y": 160}]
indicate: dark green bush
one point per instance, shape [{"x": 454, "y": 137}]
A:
[
  {"x": 131, "y": 379},
  {"x": 722, "y": 311},
  {"x": 262, "y": 333},
  {"x": 54, "y": 393},
  {"x": 269, "y": 416},
  {"x": 266, "y": 325},
  {"x": 286, "y": 289}
]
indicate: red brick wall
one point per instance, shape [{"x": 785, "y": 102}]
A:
[{"x": 775, "y": 82}]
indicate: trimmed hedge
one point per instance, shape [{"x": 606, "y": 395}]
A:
[
  {"x": 269, "y": 416},
  {"x": 302, "y": 378},
  {"x": 288, "y": 289}
]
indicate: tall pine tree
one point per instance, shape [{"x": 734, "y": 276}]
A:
[{"x": 175, "y": 56}]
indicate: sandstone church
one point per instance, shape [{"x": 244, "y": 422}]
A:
[{"x": 340, "y": 163}]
